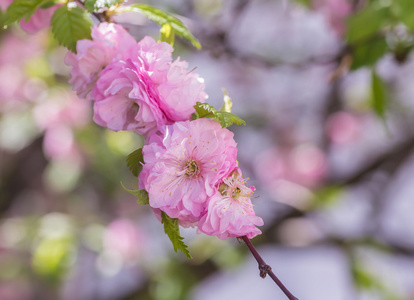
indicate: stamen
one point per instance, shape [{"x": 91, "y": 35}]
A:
[{"x": 192, "y": 169}]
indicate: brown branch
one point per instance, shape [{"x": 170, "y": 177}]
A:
[{"x": 265, "y": 269}]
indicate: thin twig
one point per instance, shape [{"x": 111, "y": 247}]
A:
[{"x": 265, "y": 269}]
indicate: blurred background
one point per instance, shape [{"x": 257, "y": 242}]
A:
[{"x": 326, "y": 88}]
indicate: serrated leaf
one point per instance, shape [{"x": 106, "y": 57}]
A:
[
  {"x": 70, "y": 24},
  {"x": 367, "y": 22},
  {"x": 20, "y": 9},
  {"x": 161, "y": 17},
  {"x": 172, "y": 230},
  {"x": 379, "y": 101},
  {"x": 167, "y": 34},
  {"x": 229, "y": 118},
  {"x": 142, "y": 195},
  {"x": 94, "y": 5},
  {"x": 134, "y": 161},
  {"x": 205, "y": 110}
]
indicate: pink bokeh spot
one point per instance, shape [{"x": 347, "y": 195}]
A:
[
  {"x": 4, "y": 4},
  {"x": 304, "y": 164},
  {"x": 124, "y": 237},
  {"x": 335, "y": 12},
  {"x": 342, "y": 128}
]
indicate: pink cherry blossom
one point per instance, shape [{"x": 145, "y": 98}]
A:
[
  {"x": 181, "y": 85},
  {"x": 230, "y": 211},
  {"x": 184, "y": 166},
  {"x": 109, "y": 42},
  {"x": 146, "y": 91},
  {"x": 123, "y": 237},
  {"x": 342, "y": 127},
  {"x": 126, "y": 99},
  {"x": 39, "y": 20}
]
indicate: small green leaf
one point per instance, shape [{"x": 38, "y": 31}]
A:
[
  {"x": 142, "y": 195},
  {"x": 70, "y": 24},
  {"x": 94, "y": 5},
  {"x": 167, "y": 34},
  {"x": 173, "y": 231},
  {"x": 20, "y": 9},
  {"x": 134, "y": 161},
  {"x": 367, "y": 22},
  {"x": 205, "y": 110},
  {"x": 379, "y": 101},
  {"x": 161, "y": 17},
  {"x": 369, "y": 53},
  {"x": 227, "y": 119}
]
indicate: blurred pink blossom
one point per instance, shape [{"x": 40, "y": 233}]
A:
[
  {"x": 342, "y": 127},
  {"x": 304, "y": 164},
  {"x": 39, "y": 20},
  {"x": 16, "y": 88},
  {"x": 59, "y": 143},
  {"x": 4, "y": 4},
  {"x": 14, "y": 290},
  {"x": 124, "y": 237},
  {"x": 335, "y": 12},
  {"x": 57, "y": 117}
]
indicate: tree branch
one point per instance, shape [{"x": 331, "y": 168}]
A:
[{"x": 265, "y": 269}]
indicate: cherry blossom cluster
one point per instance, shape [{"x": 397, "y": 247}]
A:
[{"x": 190, "y": 169}]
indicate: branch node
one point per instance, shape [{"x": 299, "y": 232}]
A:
[{"x": 264, "y": 270}]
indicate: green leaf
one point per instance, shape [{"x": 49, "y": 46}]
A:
[
  {"x": 167, "y": 34},
  {"x": 404, "y": 10},
  {"x": 369, "y": 53},
  {"x": 94, "y": 5},
  {"x": 379, "y": 101},
  {"x": 70, "y": 24},
  {"x": 134, "y": 161},
  {"x": 306, "y": 3},
  {"x": 20, "y": 9},
  {"x": 142, "y": 195},
  {"x": 367, "y": 22},
  {"x": 173, "y": 231},
  {"x": 205, "y": 110},
  {"x": 161, "y": 17}
]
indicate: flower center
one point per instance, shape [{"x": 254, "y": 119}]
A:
[
  {"x": 236, "y": 192},
  {"x": 192, "y": 169}
]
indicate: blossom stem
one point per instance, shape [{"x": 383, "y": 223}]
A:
[{"x": 265, "y": 269}]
